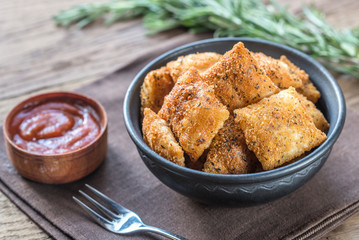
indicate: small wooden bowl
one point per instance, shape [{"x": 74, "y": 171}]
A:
[{"x": 57, "y": 168}]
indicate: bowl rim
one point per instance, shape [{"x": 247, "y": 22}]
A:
[
  {"x": 50, "y": 95},
  {"x": 333, "y": 134}
]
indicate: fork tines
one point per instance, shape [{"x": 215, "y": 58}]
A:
[
  {"x": 122, "y": 220},
  {"x": 97, "y": 217}
]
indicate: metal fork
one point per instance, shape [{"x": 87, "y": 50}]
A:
[{"x": 123, "y": 221}]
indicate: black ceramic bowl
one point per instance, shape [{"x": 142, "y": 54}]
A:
[{"x": 246, "y": 189}]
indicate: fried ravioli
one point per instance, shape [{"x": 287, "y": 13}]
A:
[
  {"x": 278, "y": 129},
  {"x": 228, "y": 153},
  {"x": 238, "y": 80},
  {"x": 279, "y": 71},
  {"x": 157, "y": 84},
  {"x": 159, "y": 137},
  {"x": 317, "y": 116},
  {"x": 194, "y": 113},
  {"x": 301, "y": 74},
  {"x": 308, "y": 89},
  {"x": 200, "y": 61}
]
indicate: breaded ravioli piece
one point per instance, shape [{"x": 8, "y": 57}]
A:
[
  {"x": 308, "y": 89},
  {"x": 278, "y": 71},
  {"x": 238, "y": 79},
  {"x": 194, "y": 113},
  {"x": 317, "y": 116},
  {"x": 228, "y": 153},
  {"x": 200, "y": 61},
  {"x": 157, "y": 84},
  {"x": 278, "y": 129},
  {"x": 295, "y": 69},
  {"x": 159, "y": 137}
]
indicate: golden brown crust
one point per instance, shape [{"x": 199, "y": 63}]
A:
[
  {"x": 189, "y": 94},
  {"x": 279, "y": 71},
  {"x": 157, "y": 84},
  {"x": 317, "y": 116},
  {"x": 309, "y": 91},
  {"x": 194, "y": 113},
  {"x": 159, "y": 137},
  {"x": 238, "y": 80},
  {"x": 228, "y": 153},
  {"x": 278, "y": 129},
  {"x": 200, "y": 61},
  {"x": 295, "y": 69}
]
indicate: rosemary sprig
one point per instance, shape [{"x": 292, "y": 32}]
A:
[{"x": 308, "y": 32}]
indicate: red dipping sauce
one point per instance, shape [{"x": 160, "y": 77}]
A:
[{"x": 55, "y": 127}]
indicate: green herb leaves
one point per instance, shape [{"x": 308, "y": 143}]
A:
[{"x": 309, "y": 32}]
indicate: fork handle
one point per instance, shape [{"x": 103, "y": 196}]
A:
[{"x": 162, "y": 232}]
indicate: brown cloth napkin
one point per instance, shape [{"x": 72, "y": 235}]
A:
[{"x": 313, "y": 210}]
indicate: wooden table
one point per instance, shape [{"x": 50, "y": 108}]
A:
[{"x": 36, "y": 57}]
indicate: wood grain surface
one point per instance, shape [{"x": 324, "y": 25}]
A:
[{"x": 36, "y": 57}]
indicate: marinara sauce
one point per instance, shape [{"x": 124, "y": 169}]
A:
[{"x": 55, "y": 127}]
